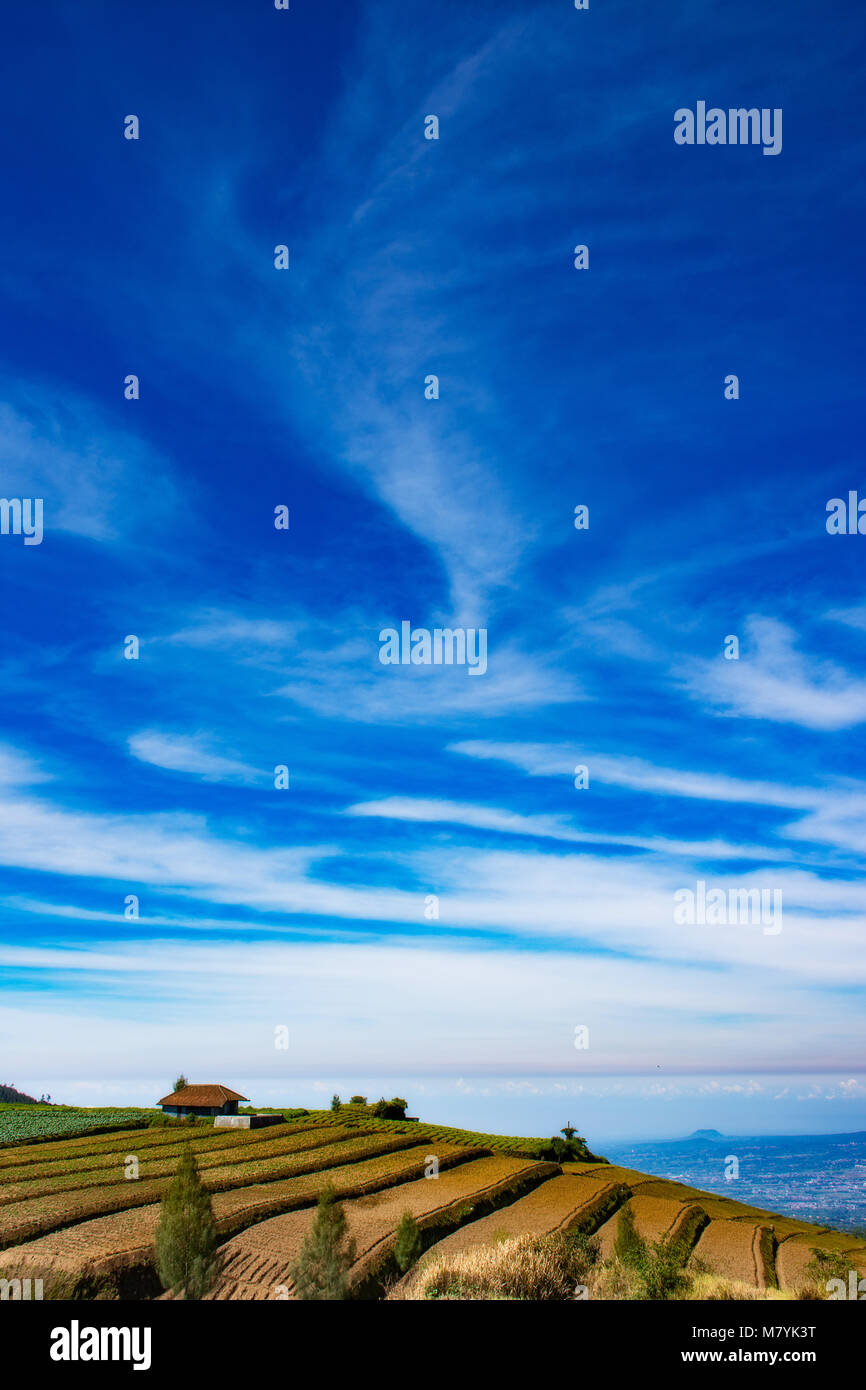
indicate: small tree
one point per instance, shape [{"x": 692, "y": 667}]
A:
[
  {"x": 336, "y": 1104},
  {"x": 407, "y": 1243},
  {"x": 569, "y": 1131},
  {"x": 390, "y": 1109},
  {"x": 358, "y": 1100},
  {"x": 327, "y": 1254},
  {"x": 180, "y": 1083},
  {"x": 186, "y": 1237}
]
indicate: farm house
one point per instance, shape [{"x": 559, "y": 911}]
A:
[{"x": 202, "y": 1100}]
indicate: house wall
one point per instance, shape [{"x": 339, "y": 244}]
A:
[
  {"x": 203, "y": 1110},
  {"x": 229, "y": 1108}
]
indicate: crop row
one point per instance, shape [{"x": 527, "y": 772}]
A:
[
  {"x": 95, "y": 1146},
  {"x": 500, "y": 1143},
  {"x": 26, "y": 1126},
  {"x": 164, "y": 1164},
  {"x": 81, "y": 1255},
  {"x": 22, "y": 1220},
  {"x": 73, "y": 1122},
  {"x": 135, "y": 1142},
  {"x": 83, "y": 1141},
  {"x": 241, "y": 1206},
  {"x": 259, "y": 1258}
]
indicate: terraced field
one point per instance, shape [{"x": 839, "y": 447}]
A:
[
  {"x": 68, "y": 1214},
  {"x": 563, "y": 1202},
  {"x": 721, "y": 1236},
  {"x": 115, "y": 1251},
  {"x": 257, "y": 1263},
  {"x": 524, "y": 1147},
  {"x": 34, "y": 1215},
  {"x": 17, "y": 1126},
  {"x": 66, "y": 1175},
  {"x": 657, "y": 1218},
  {"x": 137, "y": 1141}
]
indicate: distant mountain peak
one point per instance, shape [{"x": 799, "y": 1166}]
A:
[{"x": 706, "y": 1134}]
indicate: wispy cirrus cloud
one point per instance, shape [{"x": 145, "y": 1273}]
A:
[
  {"x": 774, "y": 680},
  {"x": 194, "y": 754},
  {"x": 56, "y": 444},
  {"x": 423, "y": 992},
  {"x": 639, "y": 774},
  {"x": 422, "y": 811}
]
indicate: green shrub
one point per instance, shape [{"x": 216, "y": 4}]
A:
[
  {"x": 823, "y": 1266},
  {"x": 657, "y": 1267},
  {"x": 390, "y": 1109},
  {"x": 628, "y": 1246},
  {"x": 556, "y": 1150}
]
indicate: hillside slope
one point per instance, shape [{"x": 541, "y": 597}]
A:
[
  {"x": 9, "y": 1096},
  {"x": 70, "y": 1215}
]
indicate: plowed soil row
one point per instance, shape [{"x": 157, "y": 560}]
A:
[
  {"x": 117, "y": 1249},
  {"x": 163, "y": 1162},
  {"x": 564, "y": 1202},
  {"x": 257, "y": 1263},
  {"x": 20, "y": 1221},
  {"x": 96, "y": 1145}
]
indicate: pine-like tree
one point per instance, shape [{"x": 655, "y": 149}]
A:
[
  {"x": 407, "y": 1242},
  {"x": 186, "y": 1237},
  {"x": 327, "y": 1254}
]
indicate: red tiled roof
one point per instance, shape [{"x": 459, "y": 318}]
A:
[{"x": 201, "y": 1095}]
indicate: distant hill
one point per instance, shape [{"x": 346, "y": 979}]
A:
[
  {"x": 9, "y": 1096},
  {"x": 706, "y": 1134}
]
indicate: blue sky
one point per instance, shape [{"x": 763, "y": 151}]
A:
[{"x": 308, "y": 908}]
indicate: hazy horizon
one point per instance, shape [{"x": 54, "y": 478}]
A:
[{"x": 539, "y": 1107}]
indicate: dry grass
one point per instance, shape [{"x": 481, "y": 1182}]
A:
[
  {"x": 537, "y": 1268},
  {"x": 708, "y": 1287},
  {"x": 550, "y": 1268}
]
